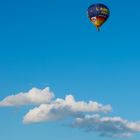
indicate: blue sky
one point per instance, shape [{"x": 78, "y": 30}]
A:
[{"x": 53, "y": 44}]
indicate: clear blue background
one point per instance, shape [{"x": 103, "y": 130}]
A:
[{"x": 52, "y": 43}]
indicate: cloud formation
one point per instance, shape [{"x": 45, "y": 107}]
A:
[
  {"x": 62, "y": 108},
  {"x": 107, "y": 126},
  {"x": 88, "y": 116},
  {"x": 34, "y": 96}
]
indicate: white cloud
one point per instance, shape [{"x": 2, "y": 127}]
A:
[
  {"x": 107, "y": 126},
  {"x": 34, "y": 96},
  {"x": 62, "y": 108}
]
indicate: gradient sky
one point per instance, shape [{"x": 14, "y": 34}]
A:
[{"x": 52, "y": 43}]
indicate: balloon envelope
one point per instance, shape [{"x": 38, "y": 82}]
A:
[{"x": 98, "y": 14}]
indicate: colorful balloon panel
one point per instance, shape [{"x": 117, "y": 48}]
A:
[{"x": 98, "y": 14}]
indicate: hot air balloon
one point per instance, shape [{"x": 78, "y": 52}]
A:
[{"x": 98, "y": 14}]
